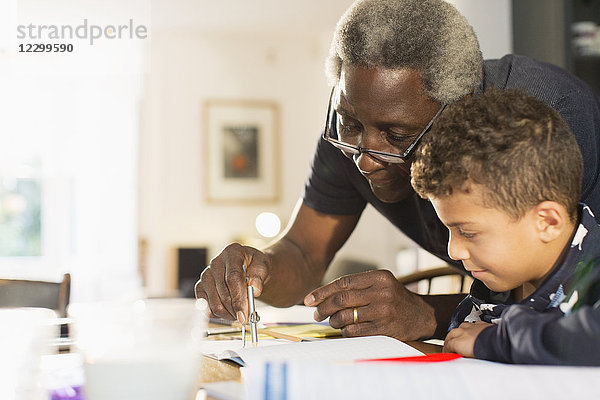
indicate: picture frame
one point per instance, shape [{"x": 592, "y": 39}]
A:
[{"x": 241, "y": 151}]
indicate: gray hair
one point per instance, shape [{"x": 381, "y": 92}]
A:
[{"x": 430, "y": 36}]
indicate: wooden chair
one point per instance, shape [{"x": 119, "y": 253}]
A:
[
  {"x": 26, "y": 293},
  {"x": 461, "y": 284}
]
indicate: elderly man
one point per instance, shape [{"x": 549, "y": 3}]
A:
[{"x": 394, "y": 65}]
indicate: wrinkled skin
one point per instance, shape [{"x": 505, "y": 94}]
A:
[
  {"x": 383, "y": 305},
  {"x": 224, "y": 272}
]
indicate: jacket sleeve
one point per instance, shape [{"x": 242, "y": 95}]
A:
[{"x": 526, "y": 336}]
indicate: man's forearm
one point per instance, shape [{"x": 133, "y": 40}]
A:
[{"x": 443, "y": 306}]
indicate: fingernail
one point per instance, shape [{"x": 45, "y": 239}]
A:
[
  {"x": 240, "y": 317},
  {"x": 316, "y": 316},
  {"x": 254, "y": 283},
  {"x": 309, "y": 300}
]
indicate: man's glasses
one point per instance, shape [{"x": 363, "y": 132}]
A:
[{"x": 378, "y": 155}]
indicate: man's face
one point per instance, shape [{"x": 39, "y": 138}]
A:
[
  {"x": 499, "y": 251},
  {"x": 387, "y": 108}
]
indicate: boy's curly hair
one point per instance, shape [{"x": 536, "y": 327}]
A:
[{"x": 515, "y": 146}]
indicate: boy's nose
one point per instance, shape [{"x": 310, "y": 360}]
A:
[{"x": 456, "y": 250}]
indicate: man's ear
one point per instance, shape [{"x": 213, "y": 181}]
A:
[{"x": 551, "y": 219}]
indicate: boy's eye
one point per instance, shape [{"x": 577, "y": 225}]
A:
[{"x": 466, "y": 234}]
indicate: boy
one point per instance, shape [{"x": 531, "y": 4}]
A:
[{"x": 503, "y": 173}]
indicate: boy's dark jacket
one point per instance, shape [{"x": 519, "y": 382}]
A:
[{"x": 559, "y": 323}]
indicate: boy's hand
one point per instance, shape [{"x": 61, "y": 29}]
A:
[{"x": 461, "y": 340}]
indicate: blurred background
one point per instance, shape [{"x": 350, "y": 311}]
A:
[{"x": 112, "y": 167}]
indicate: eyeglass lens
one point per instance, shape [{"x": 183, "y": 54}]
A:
[{"x": 349, "y": 137}]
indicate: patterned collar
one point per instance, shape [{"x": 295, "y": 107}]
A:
[{"x": 584, "y": 245}]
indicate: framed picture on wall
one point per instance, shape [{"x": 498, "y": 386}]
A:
[{"x": 241, "y": 151}]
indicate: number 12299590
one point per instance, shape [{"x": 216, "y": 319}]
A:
[{"x": 45, "y": 48}]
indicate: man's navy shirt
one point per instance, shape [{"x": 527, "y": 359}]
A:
[{"x": 335, "y": 185}]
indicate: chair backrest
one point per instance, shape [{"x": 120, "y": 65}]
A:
[
  {"x": 26, "y": 293},
  {"x": 457, "y": 281}
]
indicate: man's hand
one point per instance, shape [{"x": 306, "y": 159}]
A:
[
  {"x": 383, "y": 307},
  {"x": 461, "y": 340},
  {"x": 223, "y": 282}
]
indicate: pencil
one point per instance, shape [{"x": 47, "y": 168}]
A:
[
  {"x": 223, "y": 330},
  {"x": 279, "y": 335}
]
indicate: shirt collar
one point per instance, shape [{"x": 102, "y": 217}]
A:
[{"x": 585, "y": 241}]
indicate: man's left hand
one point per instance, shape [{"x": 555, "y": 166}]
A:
[{"x": 373, "y": 303}]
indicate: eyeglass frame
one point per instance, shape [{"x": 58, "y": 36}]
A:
[{"x": 383, "y": 156}]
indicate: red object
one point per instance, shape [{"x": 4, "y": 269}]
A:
[{"x": 436, "y": 357}]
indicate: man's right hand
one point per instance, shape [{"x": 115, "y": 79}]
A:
[
  {"x": 223, "y": 281},
  {"x": 283, "y": 273}
]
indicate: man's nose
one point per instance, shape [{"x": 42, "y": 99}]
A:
[{"x": 370, "y": 139}]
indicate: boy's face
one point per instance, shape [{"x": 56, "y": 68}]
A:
[{"x": 497, "y": 250}]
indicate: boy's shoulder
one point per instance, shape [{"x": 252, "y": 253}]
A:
[
  {"x": 584, "y": 257},
  {"x": 586, "y": 238}
]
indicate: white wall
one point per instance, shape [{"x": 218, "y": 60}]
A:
[
  {"x": 492, "y": 22},
  {"x": 187, "y": 69},
  {"x": 77, "y": 113},
  {"x": 272, "y": 54}
]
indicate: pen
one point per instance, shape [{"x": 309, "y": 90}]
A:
[{"x": 223, "y": 330}]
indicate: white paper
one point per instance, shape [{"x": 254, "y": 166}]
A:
[
  {"x": 230, "y": 349},
  {"x": 338, "y": 350},
  {"x": 462, "y": 379},
  {"x": 224, "y": 390}
]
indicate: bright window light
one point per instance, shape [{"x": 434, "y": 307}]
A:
[{"x": 268, "y": 224}]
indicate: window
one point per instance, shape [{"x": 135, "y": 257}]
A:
[
  {"x": 20, "y": 213},
  {"x": 68, "y": 178}
]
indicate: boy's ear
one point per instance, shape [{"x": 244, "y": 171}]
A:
[{"x": 551, "y": 218}]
